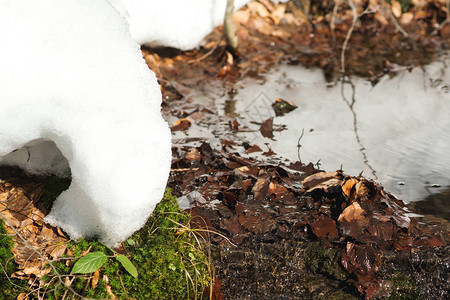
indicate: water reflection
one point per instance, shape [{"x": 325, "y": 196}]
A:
[{"x": 397, "y": 132}]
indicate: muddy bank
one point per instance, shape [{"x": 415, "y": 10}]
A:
[{"x": 297, "y": 232}]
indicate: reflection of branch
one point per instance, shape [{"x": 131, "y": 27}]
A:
[
  {"x": 299, "y": 145},
  {"x": 350, "y": 105}
]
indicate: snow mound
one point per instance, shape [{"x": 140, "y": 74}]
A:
[
  {"x": 76, "y": 92},
  {"x": 180, "y": 24}
]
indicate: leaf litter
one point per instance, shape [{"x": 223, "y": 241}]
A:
[{"x": 275, "y": 202}]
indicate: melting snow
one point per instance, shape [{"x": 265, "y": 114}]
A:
[
  {"x": 173, "y": 23},
  {"x": 75, "y": 91}
]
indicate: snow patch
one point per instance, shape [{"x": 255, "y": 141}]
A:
[
  {"x": 174, "y": 23},
  {"x": 75, "y": 91}
]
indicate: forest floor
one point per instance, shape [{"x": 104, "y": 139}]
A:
[
  {"x": 285, "y": 230},
  {"x": 275, "y": 213}
]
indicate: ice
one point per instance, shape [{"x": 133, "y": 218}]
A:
[
  {"x": 75, "y": 91},
  {"x": 174, "y": 23}
]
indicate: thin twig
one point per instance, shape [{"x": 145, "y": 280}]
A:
[
  {"x": 447, "y": 20},
  {"x": 206, "y": 54},
  {"x": 333, "y": 20},
  {"x": 396, "y": 24},
  {"x": 350, "y": 31}
]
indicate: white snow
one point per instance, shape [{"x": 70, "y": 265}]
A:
[
  {"x": 75, "y": 91},
  {"x": 180, "y": 24}
]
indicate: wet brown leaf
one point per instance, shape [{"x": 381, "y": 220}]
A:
[
  {"x": 232, "y": 225},
  {"x": 353, "y": 220},
  {"x": 282, "y": 107},
  {"x": 269, "y": 152},
  {"x": 266, "y": 128},
  {"x": 361, "y": 259},
  {"x": 252, "y": 149},
  {"x": 256, "y": 224},
  {"x": 234, "y": 125},
  {"x": 321, "y": 180},
  {"x": 361, "y": 191},
  {"x": 247, "y": 171},
  {"x": 348, "y": 186},
  {"x": 181, "y": 125},
  {"x": 194, "y": 155},
  {"x": 260, "y": 189},
  {"x": 325, "y": 228}
]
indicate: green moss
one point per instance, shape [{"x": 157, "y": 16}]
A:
[
  {"x": 170, "y": 262},
  {"x": 325, "y": 261},
  {"x": 403, "y": 287}
]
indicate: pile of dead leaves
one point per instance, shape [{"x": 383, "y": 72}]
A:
[
  {"x": 244, "y": 198},
  {"x": 35, "y": 242}
]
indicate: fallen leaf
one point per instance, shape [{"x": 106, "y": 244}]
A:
[
  {"x": 241, "y": 16},
  {"x": 361, "y": 259},
  {"x": 193, "y": 155},
  {"x": 324, "y": 227},
  {"x": 266, "y": 128},
  {"x": 260, "y": 189},
  {"x": 22, "y": 296},
  {"x": 252, "y": 149},
  {"x": 318, "y": 178},
  {"x": 58, "y": 251},
  {"x": 348, "y": 185},
  {"x": 396, "y": 8},
  {"x": 258, "y": 8},
  {"x": 282, "y": 107},
  {"x": 278, "y": 13},
  {"x": 95, "y": 279},
  {"x": 182, "y": 124}
]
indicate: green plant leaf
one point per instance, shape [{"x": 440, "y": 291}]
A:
[
  {"x": 131, "y": 242},
  {"x": 89, "y": 263},
  {"x": 128, "y": 265}
]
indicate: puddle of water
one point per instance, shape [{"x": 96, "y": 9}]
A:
[{"x": 397, "y": 132}]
